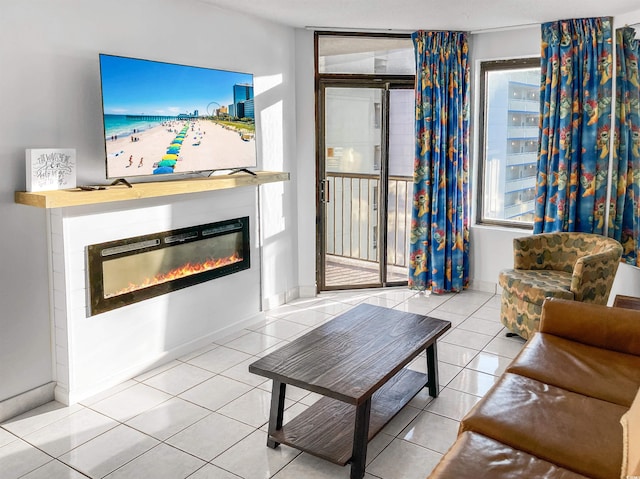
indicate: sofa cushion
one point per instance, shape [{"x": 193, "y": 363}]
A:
[
  {"x": 533, "y": 286},
  {"x": 596, "y": 372},
  {"x": 631, "y": 440},
  {"x": 573, "y": 431},
  {"x": 474, "y": 456}
]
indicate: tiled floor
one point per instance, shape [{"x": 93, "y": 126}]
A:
[{"x": 204, "y": 416}]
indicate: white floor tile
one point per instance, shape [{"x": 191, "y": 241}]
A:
[
  {"x": 54, "y": 470},
  {"x": 179, "y": 378},
  {"x": 240, "y": 372},
  {"x": 251, "y": 458},
  {"x": 452, "y": 404},
  {"x": 489, "y": 363},
  {"x": 6, "y": 437},
  {"x": 331, "y": 307},
  {"x": 454, "y": 318},
  {"x": 400, "y": 420},
  {"x": 377, "y": 445},
  {"x": 209, "y": 471},
  {"x": 467, "y": 339},
  {"x": 421, "y": 399},
  {"x": 215, "y": 392},
  {"x": 306, "y": 466},
  {"x": 404, "y": 460},
  {"x": 504, "y": 347},
  {"x": 482, "y": 326},
  {"x": 473, "y": 382},
  {"x": 382, "y": 301},
  {"x": 205, "y": 349},
  {"x": 39, "y": 417},
  {"x": 220, "y": 358},
  {"x": 308, "y": 317},
  {"x": 132, "y": 401},
  {"x": 250, "y": 343},
  {"x": 109, "y": 451},
  {"x": 251, "y": 408},
  {"x": 18, "y": 458},
  {"x": 210, "y": 436},
  {"x": 422, "y": 429},
  {"x": 70, "y": 432},
  {"x": 161, "y": 462},
  {"x": 90, "y": 401},
  {"x": 282, "y": 329},
  {"x": 168, "y": 418},
  {"x": 454, "y": 354},
  {"x": 157, "y": 370},
  {"x": 488, "y": 313}
]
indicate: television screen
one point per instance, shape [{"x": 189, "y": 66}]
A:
[{"x": 163, "y": 118}]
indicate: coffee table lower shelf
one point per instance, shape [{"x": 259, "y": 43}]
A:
[{"x": 326, "y": 428}]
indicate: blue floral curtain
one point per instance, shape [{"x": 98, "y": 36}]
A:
[
  {"x": 439, "y": 255},
  {"x": 625, "y": 210},
  {"x": 575, "y": 124}
]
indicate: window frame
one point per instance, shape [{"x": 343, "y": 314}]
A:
[{"x": 487, "y": 67}]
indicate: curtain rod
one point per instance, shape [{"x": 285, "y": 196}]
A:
[
  {"x": 407, "y": 31},
  {"x": 357, "y": 30}
]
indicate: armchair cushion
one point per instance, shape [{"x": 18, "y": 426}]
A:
[{"x": 534, "y": 286}]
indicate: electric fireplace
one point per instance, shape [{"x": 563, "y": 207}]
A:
[{"x": 133, "y": 269}]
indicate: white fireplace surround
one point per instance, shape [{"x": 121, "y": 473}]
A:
[{"x": 93, "y": 353}]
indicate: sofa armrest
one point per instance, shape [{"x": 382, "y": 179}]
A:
[
  {"x": 593, "y": 276},
  {"x": 615, "y": 329}
]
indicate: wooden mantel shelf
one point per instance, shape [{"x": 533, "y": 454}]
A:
[{"x": 77, "y": 197}]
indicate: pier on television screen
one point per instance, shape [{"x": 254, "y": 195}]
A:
[{"x": 164, "y": 118}]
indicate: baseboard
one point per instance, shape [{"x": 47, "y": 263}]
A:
[
  {"x": 26, "y": 401},
  {"x": 483, "y": 286},
  {"x": 307, "y": 291},
  {"x": 279, "y": 299}
]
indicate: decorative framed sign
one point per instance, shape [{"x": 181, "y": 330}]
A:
[{"x": 50, "y": 168}]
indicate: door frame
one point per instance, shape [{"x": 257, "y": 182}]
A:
[{"x": 387, "y": 83}]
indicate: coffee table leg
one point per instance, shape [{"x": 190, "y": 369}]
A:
[
  {"x": 277, "y": 410},
  {"x": 432, "y": 370},
  {"x": 360, "y": 440}
]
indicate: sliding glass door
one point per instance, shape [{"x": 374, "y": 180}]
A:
[{"x": 365, "y": 185}]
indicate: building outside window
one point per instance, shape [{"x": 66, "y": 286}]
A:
[{"x": 510, "y": 105}]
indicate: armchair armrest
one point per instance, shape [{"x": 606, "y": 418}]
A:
[
  {"x": 616, "y": 329},
  {"x": 593, "y": 276}
]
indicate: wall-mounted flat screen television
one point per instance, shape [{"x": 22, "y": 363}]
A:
[{"x": 165, "y": 118}]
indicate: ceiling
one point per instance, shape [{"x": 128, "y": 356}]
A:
[{"x": 411, "y": 15}]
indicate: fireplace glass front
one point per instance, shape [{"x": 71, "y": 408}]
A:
[{"x": 133, "y": 269}]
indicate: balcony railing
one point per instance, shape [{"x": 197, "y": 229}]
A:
[{"x": 352, "y": 217}]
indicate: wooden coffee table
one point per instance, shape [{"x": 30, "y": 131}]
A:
[{"x": 357, "y": 361}]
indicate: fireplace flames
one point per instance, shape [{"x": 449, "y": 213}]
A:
[{"x": 181, "y": 272}]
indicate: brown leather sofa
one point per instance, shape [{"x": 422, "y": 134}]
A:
[{"x": 555, "y": 412}]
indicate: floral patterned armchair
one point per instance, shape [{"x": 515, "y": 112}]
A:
[{"x": 576, "y": 266}]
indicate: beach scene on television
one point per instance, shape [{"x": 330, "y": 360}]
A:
[{"x": 162, "y": 118}]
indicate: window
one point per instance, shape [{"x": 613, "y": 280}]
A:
[
  {"x": 380, "y": 55},
  {"x": 510, "y": 106}
]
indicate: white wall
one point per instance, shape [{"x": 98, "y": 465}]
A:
[
  {"x": 306, "y": 158},
  {"x": 491, "y": 248},
  {"x": 51, "y": 98}
]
